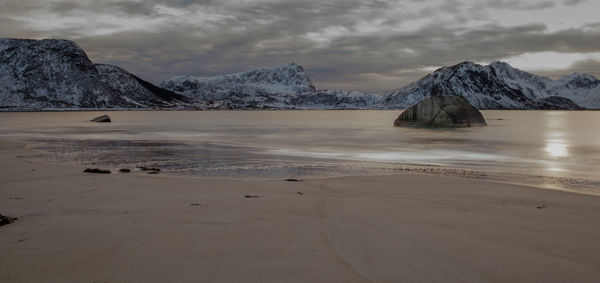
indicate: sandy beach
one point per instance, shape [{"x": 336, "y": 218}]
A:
[{"x": 81, "y": 227}]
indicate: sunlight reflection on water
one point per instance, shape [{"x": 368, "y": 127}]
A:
[
  {"x": 556, "y": 144},
  {"x": 556, "y": 148}
]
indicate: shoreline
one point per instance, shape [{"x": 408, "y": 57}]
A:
[
  {"x": 585, "y": 186},
  {"x": 76, "y": 226},
  {"x": 258, "y": 109}
]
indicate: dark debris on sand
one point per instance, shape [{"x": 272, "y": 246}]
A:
[
  {"x": 102, "y": 119},
  {"x": 251, "y": 196},
  {"x": 4, "y": 220},
  {"x": 293, "y": 180},
  {"x": 97, "y": 171}
]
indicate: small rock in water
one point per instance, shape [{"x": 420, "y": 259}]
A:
[
  {"x": 101, "y": 119},
  {"x": 144, "y": 168},
  {"x": 6, "y": 220},
  {"x": 542, "y": 207},
  {"x": 125, "y": 170},
  {"x": 251, "y": 196},
  {"x": 300, "y": 193},
  {"x": 96, "y": 170},
  {"x": 293, "y": 180}
]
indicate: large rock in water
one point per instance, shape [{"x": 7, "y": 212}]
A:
[{"x": 441, "y": 111}]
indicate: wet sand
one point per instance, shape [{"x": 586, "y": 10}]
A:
[{"x": 82, "y": 227}]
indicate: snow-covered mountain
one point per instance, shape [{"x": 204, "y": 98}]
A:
[
  {"x": 580, "y": 88},
  {"x": 57, "y": 74},
  {"x": 282, "y": 87},
  {"x": 288, "y": 79},
  {"x": 499, "y": 86}
]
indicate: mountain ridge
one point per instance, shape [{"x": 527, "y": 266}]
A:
[{"x": 57, "y": 74}]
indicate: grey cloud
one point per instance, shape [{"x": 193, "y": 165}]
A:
[
  {"x": 348, "y": 62},
  {"x": 518, "y": 5},
  {"x": 573, "y": 2},
  {"x": 16, "y": 7},
  {"x": 129, "y": 8},
  {"x": 591, "y": 67},
  {"x": 266, "y": 33}
]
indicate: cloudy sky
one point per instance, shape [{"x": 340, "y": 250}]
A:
[{"x": 366, "y": 45}]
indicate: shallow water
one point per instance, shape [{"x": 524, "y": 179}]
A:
[{"x": 560, "y": 145}]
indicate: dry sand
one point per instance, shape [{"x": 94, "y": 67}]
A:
[{"x": 80, "y": 227}]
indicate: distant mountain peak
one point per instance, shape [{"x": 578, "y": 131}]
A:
[
  {"x": 465, "y": 65},
  {"x": 500, "y": 86},
  {"x": 579, "y": 76},
  {"x": 501, "y": 64},
  {"x": 284, "y": 79}
]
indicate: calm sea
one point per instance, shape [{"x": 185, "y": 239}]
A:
[{"x": 558, "y": 149}]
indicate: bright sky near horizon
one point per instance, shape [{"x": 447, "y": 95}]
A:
[{"x": 346, "y": 44}]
